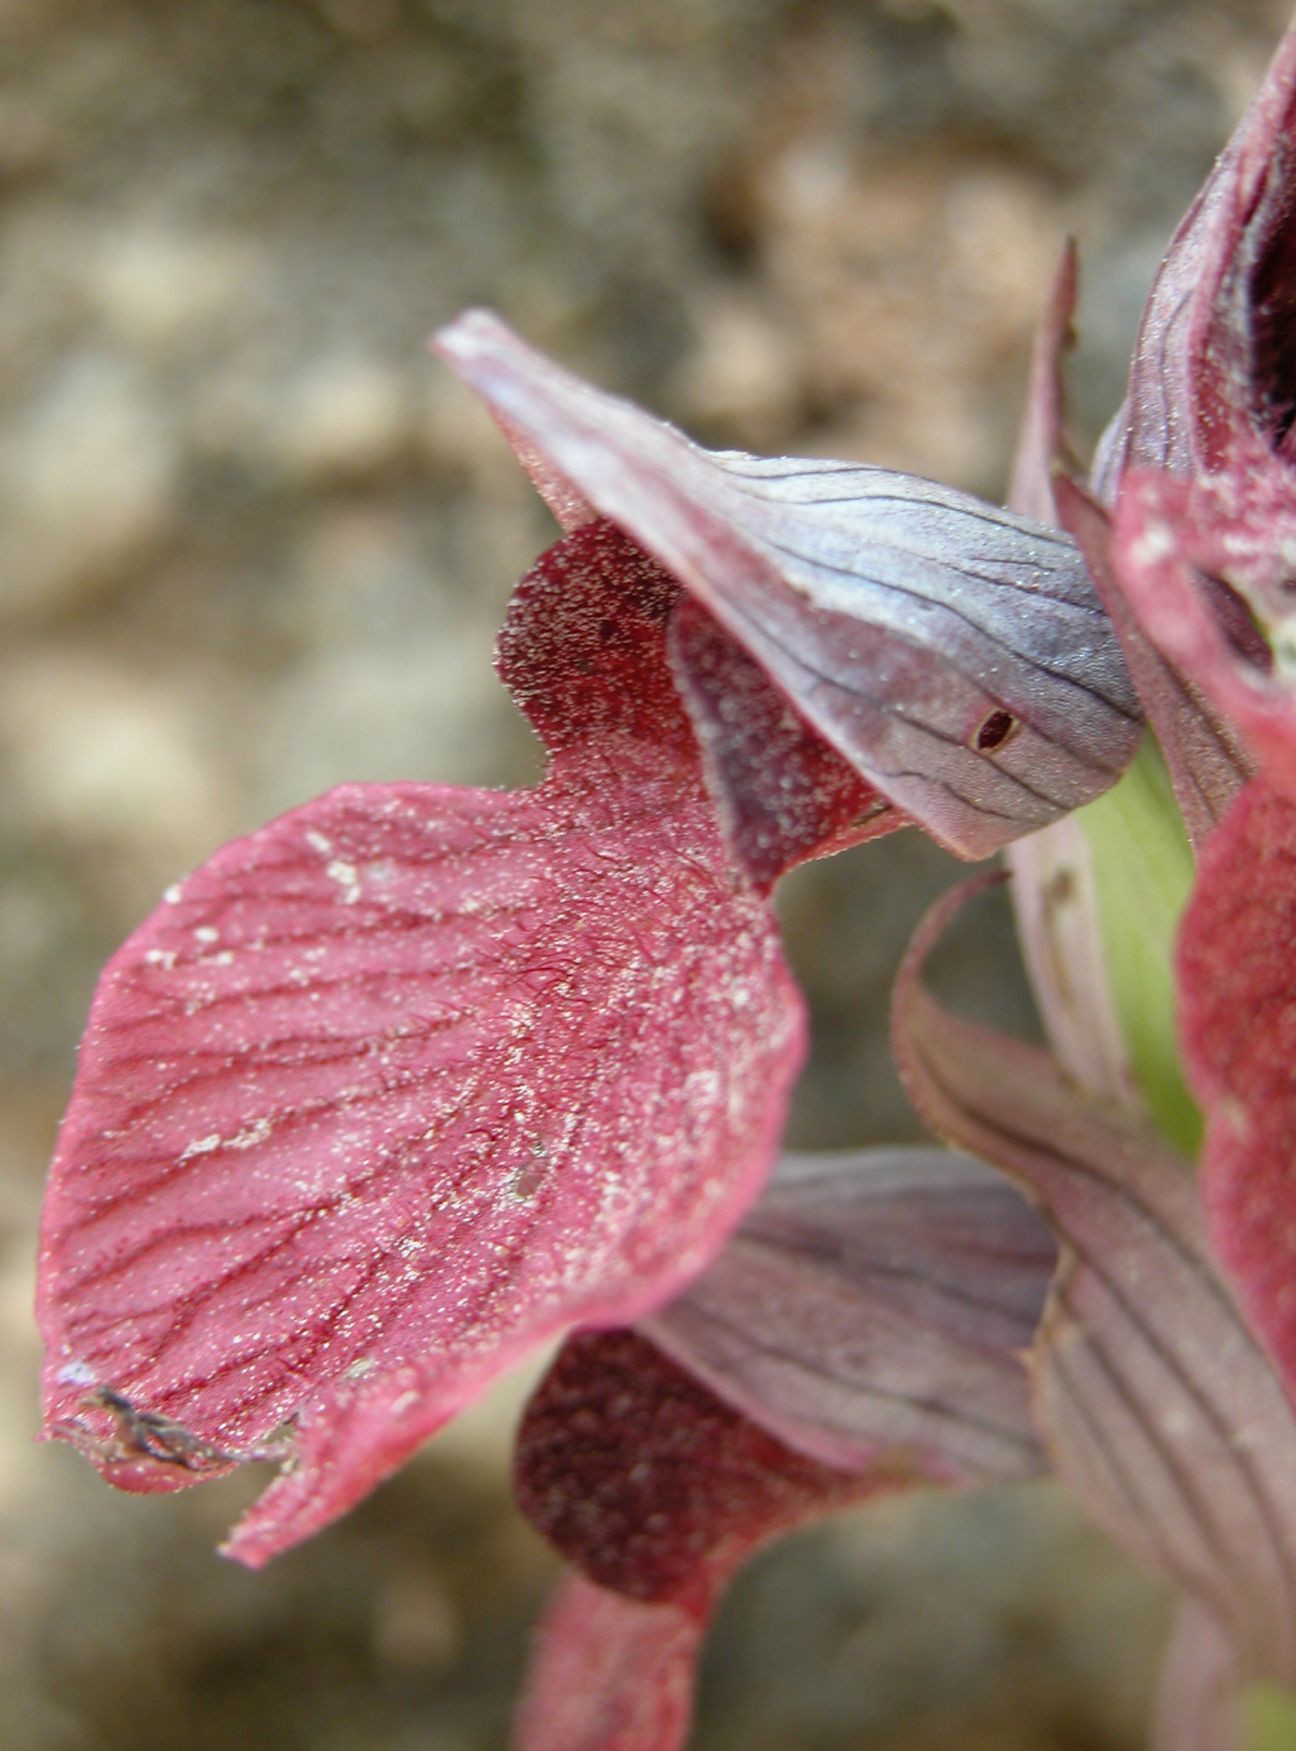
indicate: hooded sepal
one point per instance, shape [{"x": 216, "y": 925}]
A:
[{"x": 953, "y": 654}]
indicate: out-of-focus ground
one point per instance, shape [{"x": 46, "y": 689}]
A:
[{"x": 254, "y": 542}]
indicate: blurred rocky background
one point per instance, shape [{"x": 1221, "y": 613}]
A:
[{"x": 254, "y": 542}]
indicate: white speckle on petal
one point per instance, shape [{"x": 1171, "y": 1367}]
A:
[
  {"x": 1153, "y": 545},
  {"x": 347, "y": 878},
  {"x": 255, "y": 1133},
  {"x": 201, "y": 1146},
  {"x": 77, "y": 1374}
]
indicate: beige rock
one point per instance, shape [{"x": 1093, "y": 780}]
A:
[
  {"x": 343, "y": 416},
  {"x": 105, "y": 756},
  {"x": 157, "y": 286},
  {"x": 88, "y": 480}
]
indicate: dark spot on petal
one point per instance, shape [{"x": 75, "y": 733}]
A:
[{"x": 998, "y": 727}]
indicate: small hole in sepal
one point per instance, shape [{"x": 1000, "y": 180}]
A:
[{"x": 994, "y": 730}]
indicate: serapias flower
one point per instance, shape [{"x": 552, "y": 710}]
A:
[{"x": 391, "y": 1091}]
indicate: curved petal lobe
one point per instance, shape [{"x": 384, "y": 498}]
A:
[
  {"x": 1170, "y": 543},
  {"x": 785, "y": 796},
  {"x": 1039, "y": 439}
]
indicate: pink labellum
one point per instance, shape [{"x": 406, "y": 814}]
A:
[
  {"x": 1237, "y": 982},
  {"x": 656, "y": 1491},
  {"x": 650, "y": 1485},
  {"x": 609, "y": 1674},
  {"x": 413, "y": 1078},
  {"x": 862, "y": 1333},
  {"x": 953, "y": 655},
  {"x": 877, "y": 1303},
  {"x": 1160, "y": 1408}
]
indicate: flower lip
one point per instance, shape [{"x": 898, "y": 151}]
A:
[{"x": 411, "y": 1080}]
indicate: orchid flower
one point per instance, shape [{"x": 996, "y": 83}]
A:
[
  {"x": 414, "y": 1080},
  {"x": 411, "y": 1080}
]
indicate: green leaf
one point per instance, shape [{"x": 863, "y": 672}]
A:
[{"x": 1143, "y": 869}]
